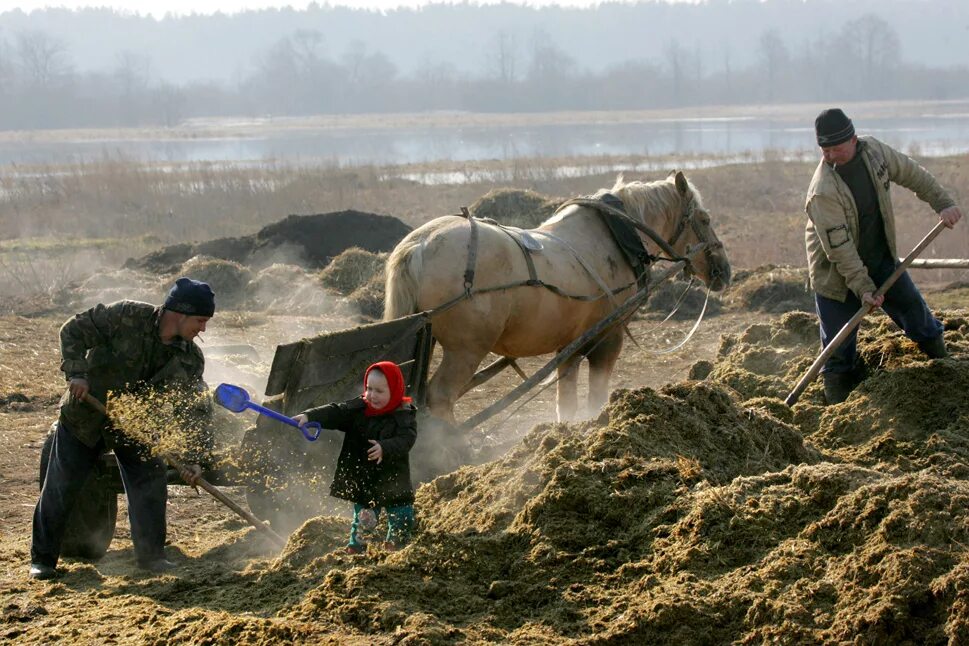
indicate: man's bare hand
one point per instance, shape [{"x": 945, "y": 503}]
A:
[
  {"x": 78, "y": 387},
  {"x": 950, "y": 216},
  {"x": 191, "y": 474},
  {"x": 875, "y": 301}
]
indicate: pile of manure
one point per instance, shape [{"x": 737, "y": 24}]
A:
[{"x": 307, "y": 240}]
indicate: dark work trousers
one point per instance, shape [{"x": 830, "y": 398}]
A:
[
  {"x": 71, "y": 461},
  {"x": 903, "y": 304}
]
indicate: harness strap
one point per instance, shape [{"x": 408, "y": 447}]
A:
[
  {"x": 602, "y": 206},
  {"x": 472, "y": 252},
  {"x": 529, "y": 263}
]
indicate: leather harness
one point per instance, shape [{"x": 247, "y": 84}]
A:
[{"x": 620, "y": 225}]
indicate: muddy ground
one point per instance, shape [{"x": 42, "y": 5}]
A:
[{"x": 695, "y": 508}]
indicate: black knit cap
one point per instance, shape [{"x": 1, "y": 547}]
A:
[
  {"x": 192, "y": 297},
  {"x": 833, "y": 127}
]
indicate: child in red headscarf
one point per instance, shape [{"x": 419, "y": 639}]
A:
[{"x": 373, "y": 470}]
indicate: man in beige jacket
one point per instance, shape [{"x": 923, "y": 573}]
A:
[{"x": 851, "y": 244}]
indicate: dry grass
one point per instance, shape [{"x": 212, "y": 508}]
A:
[{"x": 62, "y": 223}]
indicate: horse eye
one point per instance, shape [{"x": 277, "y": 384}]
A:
[{"x": 703, "y": 217}]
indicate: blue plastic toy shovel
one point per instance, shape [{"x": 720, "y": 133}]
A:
[{"x": 237, "y": 400}]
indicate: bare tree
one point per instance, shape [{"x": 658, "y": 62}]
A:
[
  {"x": 44, "y": 61},
  {"x": 502, "y": 58},
  {"x": 676, "y": 59},
  {"x": 877, "y": 49},
  {"x": 549, "y": 63},
  {"x": 775, "y": 59},
  {"x": 132, "y": 73}
]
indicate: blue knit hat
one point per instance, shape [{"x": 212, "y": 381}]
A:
[{"x": 192, "y": 297}]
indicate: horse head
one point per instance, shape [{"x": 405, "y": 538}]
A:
[
  {"x": 694, "y": 227},
  {"x": 675, "y": 209}
]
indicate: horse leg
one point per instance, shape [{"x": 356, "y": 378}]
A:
[
  {"x": 567, "y": 398},
  {"x": 456, "y": 369},
  {"x": 602, "y": 361}
]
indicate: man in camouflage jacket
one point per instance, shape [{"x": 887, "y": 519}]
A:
[
  {"x": 124, "y": 347},
  {"x": 851, "y": 243}
]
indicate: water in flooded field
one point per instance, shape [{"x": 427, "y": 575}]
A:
[{"x": 734, "y": 138}]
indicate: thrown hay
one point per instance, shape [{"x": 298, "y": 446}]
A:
[
  {"x": 171, "y": 422},
  {"x": 514, "y": 207}
]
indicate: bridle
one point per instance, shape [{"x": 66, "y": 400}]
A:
[{"x": 688, "y": 216}]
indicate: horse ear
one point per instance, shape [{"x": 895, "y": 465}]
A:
[{"x": 681, "y": 184}]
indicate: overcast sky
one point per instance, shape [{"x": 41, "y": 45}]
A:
[{"x": 159, "y": 8}]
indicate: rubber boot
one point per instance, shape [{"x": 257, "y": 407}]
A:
[
  {"x": 934, "y": 348},
  {"x": 859, "y": 372},
  {"x": 837, "y": 386}
]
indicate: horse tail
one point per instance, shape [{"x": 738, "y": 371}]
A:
[{"x": 402, "y": 272}]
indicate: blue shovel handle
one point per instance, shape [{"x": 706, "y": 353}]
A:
[
  {"x": 237, "y": 400},
  {"x": 305, "y": 429}
]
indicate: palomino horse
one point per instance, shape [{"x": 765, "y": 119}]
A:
[{"x": 427, "y": 267}]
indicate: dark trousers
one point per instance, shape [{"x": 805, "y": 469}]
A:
[
  {"x": 71, "y": 461},
  {"x": 903, "y": 304}
]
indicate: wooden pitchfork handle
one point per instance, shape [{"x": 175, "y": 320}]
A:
[
  {"x": 855, "y": 321},
  {"x": 278, "y": 540}
]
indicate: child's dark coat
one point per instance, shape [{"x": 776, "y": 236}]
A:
[{"x": 358, "y": 479}]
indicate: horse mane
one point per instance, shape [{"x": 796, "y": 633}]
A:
[
  {"x": 659, "y": 196},
  {"x": 650, "y": 197}
]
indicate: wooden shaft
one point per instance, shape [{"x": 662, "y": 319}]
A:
[
  {"x": 486, "y": 373},
  {"x": 615, "y": 317},
  {"x": 92, "y": 401},
  {"x": 940, "y": 263},
  {"x": 855, "y": 321}
]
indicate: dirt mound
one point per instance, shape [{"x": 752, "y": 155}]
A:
[
  {"x": 307, "y": 240},
  {"x": 514, "y": 207},
  {"x": 770, "y": 289}
]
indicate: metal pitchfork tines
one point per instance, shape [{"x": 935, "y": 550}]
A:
[{"x": 237, "y": 400}]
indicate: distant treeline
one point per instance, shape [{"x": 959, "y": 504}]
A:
[{"x": 41, "y": 86}]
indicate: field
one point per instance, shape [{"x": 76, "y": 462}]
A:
[{"x": 689, "y": 512}]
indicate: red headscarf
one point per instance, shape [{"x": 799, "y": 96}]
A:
[{"x": 395, "y": 381}]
